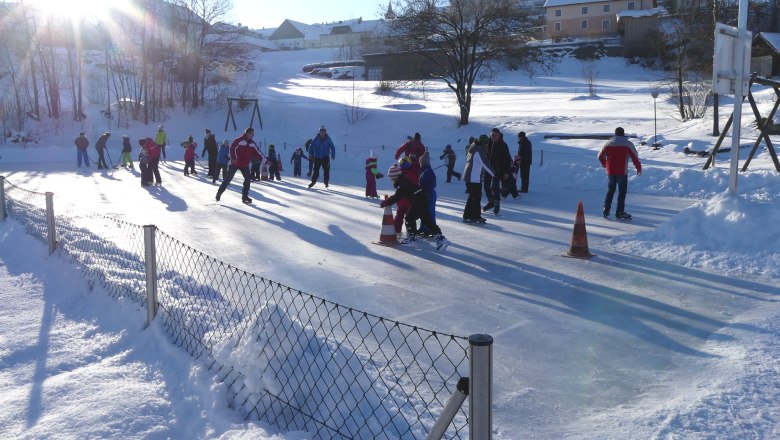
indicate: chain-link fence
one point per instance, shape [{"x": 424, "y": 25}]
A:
[{"x": 292, "y": 359}]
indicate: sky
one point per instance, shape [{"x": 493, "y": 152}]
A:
[
  {"x": 669, "y": 331},
  {"x": 270, "y": 14}
]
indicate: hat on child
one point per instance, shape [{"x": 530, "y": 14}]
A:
[
  {"x": 425, "y": 159},
  {"x": 271, "y": 146},
  {"x": 483, "y": 139},
  {"x": 394, "y": 172}
]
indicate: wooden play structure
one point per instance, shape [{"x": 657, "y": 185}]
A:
[
  {"x": 243, "y": 102},
  {"x": 762, "y": 124}
]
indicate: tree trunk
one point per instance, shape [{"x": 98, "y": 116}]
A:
[{"x": 680, "y": 96}]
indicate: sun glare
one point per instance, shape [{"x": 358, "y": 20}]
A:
[{"x": 74, "y": 9}]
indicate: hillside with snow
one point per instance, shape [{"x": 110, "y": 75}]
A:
[{"x": 670, "y": 331}]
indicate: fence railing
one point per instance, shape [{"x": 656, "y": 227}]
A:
[{"x": 292, "y": 359}]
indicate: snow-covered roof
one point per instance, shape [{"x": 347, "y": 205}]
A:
[
  {"x": 637, "y": 13},
  {"x": 554, "y": 3},
  {"x": 772, "y": 39},
  {"x": 355, "y": 25},
  {"x": 309, "y": 31}
]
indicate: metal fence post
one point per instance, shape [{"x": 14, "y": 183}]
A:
[
  {"x": 481, "y": 387},
  {"x": 50, "y": 230},
  {"x": 150, "y": 254},
  {"x": 3, "y": 214},
  {"x": 541, "y": 162},
  {"x": 450, "y": 410}
]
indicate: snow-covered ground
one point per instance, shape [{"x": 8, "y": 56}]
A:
[{"x": 670, "y": 331}]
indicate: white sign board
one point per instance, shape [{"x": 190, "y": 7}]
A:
[{"x": 724, "y": 66}]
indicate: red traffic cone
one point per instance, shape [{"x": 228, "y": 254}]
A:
[
  {"x": 579, "y": 237},
  {"x": 387, "y": 235}
]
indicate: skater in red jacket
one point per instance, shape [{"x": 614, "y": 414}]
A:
[{"x": 614, "y": 156}]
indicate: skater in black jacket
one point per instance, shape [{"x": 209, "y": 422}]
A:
[
  {"x": 405, "y": 188},
  {"x": 296, "y": 158},
  {"x": 210, "y": 147},
  {"x": 449, "y": 159},
  {"x": 525, "y": 153}
]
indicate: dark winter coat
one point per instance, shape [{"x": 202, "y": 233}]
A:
[
  {"x": 297, "y": 155},
  {"x": 81, "y": 142},
  {"x": 272, "y": 158},
  {"x": 524, "y": 150},
  {"x": 449, "y": 157},
  {"x": 427, "y": 180},
  {"x": 408, "y": 190},
  {"x": 126, "y": 147},
  {"x": 210, "y": 145},
  {"x": 101, "y": 142},
  {"x": 499, "y": 158}
]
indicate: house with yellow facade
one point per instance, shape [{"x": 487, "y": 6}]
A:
[{"x": 588, "y": 18}]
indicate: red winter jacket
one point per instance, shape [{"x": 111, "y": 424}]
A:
[
  {"x": 189, "y": 152},
  {"x": 414, "y": 149},
  {"x": 243, "y": 151},
  {"x": 152, "y": 149},
  {"x": 614, "y": 156}
]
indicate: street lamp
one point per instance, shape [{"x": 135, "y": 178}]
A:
[{"x": 656, "y": 145}]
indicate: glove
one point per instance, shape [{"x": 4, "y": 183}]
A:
[
  {"x": 379, "y": 175},
  {"x": 383, "y": 204}
]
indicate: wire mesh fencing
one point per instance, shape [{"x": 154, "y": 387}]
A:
[{"x": 286, "y": 357}]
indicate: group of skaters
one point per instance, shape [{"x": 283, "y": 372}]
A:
[
  {"x": 153, "y": 150},
  {"x": 489, "y": 168}
]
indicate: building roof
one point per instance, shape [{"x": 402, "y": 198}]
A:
[
  {"x": 638, "y": 13},
  {"x": 290, "y": 29},
  {"x": 772, "y": 39},
  {"x": 554, "y": 3}
]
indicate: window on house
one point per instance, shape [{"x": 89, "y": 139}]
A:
[
  {"x": 584, "y": 24},
  {"x": 557, "y": 26},
  {"x": 558, "y": 12},
  {"x": 584, "y": 10},
  {"x": 606, "y": 8},
  {"x": 605, "y": 25},
  {"x": 631, "y": 5}
]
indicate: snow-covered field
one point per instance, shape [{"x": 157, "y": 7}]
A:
[{"x": 670, "y": 331}]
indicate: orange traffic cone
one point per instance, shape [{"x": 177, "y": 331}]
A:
[
  {"x": 264, "y": 170},
  {"x": 387, "y": 235},
  {"x": 579, "y": 237}
]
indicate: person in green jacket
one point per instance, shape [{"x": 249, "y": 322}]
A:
[{"x": 161, "y": 139}]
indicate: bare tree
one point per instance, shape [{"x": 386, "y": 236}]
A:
[
  {"x": 198, "y": 30},
  {"x": 590, "y": 72},
  {"x": 462, "y": 38},
  {"x": 685, "y": 47}
]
